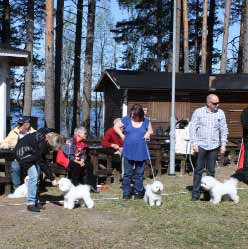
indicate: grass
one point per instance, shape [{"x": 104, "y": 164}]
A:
[{"x": 178, "y": 223}]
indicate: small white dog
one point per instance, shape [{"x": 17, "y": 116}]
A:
[
  {"x": 218, "y": 189},
  {"x": 153, "y": 193},
  {"x": 73, "y": 193},
  {"x": 21, "y": 191}
]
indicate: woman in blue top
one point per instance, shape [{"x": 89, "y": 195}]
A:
[{"x": 137, "y": 130}]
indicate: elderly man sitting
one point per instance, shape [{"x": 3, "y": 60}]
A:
[{"x": 23, "y": 128}]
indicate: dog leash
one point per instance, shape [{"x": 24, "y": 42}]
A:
[{"x": 150, "y": 161}]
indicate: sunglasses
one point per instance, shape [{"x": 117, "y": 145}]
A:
[{"x": 215, "y": 103}]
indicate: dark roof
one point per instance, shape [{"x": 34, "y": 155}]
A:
[
  {"x": 125, "y": 79},
  {"x": 234, "y": 82},
  {"x": 15, "y": 56}
]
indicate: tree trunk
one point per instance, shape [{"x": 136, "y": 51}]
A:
[
  {"x": 210, "y": 36},
  {"x": 245, "y": 47},
  {"x": 185, "y": 36},
  {"x": 241, "y": 37},
  {"x": 49, "y": 70},
  {"x": 6, "y": 23},
  {"x": 58, "y": 61},
  {"x": 88, "y": 63},
  {"x": 196, "y": 40},
  {"x": 170, "y": 46},
  {"x": 159, "y": 34},
  {"x": 178, "y": 33},
  {"x": 28, "y": 77},
  {"x": 225, "y": 37},
  {"x": 204, "y": 37},
  {"x": 77, "y": 66}
]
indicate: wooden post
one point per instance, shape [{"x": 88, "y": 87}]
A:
[{"x": 4, "y": 70}]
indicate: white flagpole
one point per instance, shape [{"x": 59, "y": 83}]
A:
[{"x": 172, "y": 118}]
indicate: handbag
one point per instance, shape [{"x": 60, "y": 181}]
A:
[{"x": 62, "y": 159}]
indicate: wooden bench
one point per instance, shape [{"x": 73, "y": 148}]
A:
[
  {"x": 158, "y": 148},
  {"x": 97, "y": 155},
  {"x": 8, "y": 155}
]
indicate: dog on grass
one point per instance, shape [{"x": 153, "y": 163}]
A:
[
  {"x": 153, "y": 193},
  {"x": 21, "y": 191},
  {"x": 218, "y": 189},
  {"x": 73, "y": 193}
]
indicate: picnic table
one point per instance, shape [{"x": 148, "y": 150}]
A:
[
  {"x": 98, "y": 153},
  {"x": 8, "y": 155}
]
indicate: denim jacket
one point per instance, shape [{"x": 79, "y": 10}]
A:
[{"x": 69, "y": 149}]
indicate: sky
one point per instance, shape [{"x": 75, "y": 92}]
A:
[{"x": 120, "y": 14}]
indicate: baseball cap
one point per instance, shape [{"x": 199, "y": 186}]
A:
[{"x": 24, "y": 119}]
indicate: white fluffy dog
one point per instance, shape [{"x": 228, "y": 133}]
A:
[
  {"x": 153, "y": 193},
  {"x": 73, "y": 193},
  {"x": 218, "y": 189},
  {"x": 21, "y": 191}
]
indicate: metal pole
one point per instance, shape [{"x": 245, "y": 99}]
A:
[{"x": 172, "y": 118}]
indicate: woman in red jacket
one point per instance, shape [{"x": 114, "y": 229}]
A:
[{"x": 111, "y": 139}]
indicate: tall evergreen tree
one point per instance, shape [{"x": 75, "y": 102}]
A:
[
  {"x": 28, "y": 77},
  {"x": 88, "y": 63},
  {"x": 49, "y": 69},
  {"x": 58, "y": 61},
  {"x": 77, "y": 67},
  {"x": 225, "y": 37}
]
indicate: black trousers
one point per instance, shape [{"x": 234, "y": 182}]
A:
[
  {"x": 204, "y": 158},
  {"x": 81, "y": 175},
  {"x": 246, "y": 154}
]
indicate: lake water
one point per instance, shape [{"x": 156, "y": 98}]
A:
[{"x": 38, "y": 112}]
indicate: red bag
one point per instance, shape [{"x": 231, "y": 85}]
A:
[
  {"x": 241, "y": 157},
  {"x": 62, "y": 159}
]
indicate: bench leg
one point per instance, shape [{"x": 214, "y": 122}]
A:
[
  {"x": 182, "y": 167},
  {"x": 7, "y": 188}
]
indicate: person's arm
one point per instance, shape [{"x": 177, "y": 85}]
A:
[
  {"x": 192, "y": 131},
  {"x": 69, "y": 149},
  {"x": 106, "y": 140},
  {"x": 118, "y": 129},
  {"x": 223, "y": 133},
  {"x": 10, "y": 140},
  {"x": 244, "y": 118},
  {"x": 149, "y": 132}
]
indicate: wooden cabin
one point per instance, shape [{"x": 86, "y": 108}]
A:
[
  {"x": 123, "y": 88},
  {"x": 232, "y": 90}
]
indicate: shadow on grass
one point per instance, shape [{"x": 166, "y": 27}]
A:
[{"x": 56, "y": 200}]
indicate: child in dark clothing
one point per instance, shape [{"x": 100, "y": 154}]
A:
[{"x": 31, "y": 152}]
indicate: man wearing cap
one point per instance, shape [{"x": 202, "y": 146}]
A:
[{"x": 23, "y": 128}]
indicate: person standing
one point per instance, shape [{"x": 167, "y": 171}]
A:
[
  {"x": 23, "y": 128},
  {"x": 244, "y": 122},
  {"x": 137, "y": 129},
  {"x": 208, "y": 134}
]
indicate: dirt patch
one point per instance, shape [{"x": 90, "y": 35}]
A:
[{"x": 179, "y": 223}]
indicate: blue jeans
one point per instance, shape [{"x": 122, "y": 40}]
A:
[
  {"x": 15, "y": 170},
  {"x": 138, "y": 167},
  {"x": 204, "y": 158},
  {"x": 33, "y": 184}
]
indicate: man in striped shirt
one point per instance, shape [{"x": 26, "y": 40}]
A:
[{"x": 208, "y": 134}]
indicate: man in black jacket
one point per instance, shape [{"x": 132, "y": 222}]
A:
[
  {"x": 244, "y": 122},
  {"x": 31, "y": 152}
]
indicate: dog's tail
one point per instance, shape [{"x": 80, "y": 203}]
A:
[{"x": 233, "y": 181}]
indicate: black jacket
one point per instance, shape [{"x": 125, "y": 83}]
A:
[
  {"x": 32, "y": 149},
  {"x": 244, "y": 122}
]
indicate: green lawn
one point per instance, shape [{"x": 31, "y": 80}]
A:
[{"x": 178, "y": 223}]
